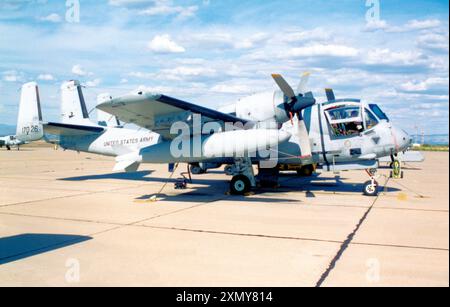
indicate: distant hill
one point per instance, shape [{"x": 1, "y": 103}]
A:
[{"x": 7, "y": 130}]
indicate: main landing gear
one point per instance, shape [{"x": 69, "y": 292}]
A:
[
  {"x": 371, "y": 186},
  {"x": 243, "y": 176}
]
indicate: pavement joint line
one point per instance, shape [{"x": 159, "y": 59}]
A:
[
  {"x": 71, "y": 196},
  {"x": 92, "y": 235},
  {"x": 288, "y": 238},
  {"x": 347, "y": 242},
  {"x": 136, "y": 224}
]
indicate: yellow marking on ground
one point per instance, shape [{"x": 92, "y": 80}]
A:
[{"x": 402, "y": 197}]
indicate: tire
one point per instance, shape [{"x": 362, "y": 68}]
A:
[
  {"x": 197, "y": 170},
  {"x": 240, "y": 185},
  {"x": 306, "y": 171},
  {"x": 370, "y": 190}
]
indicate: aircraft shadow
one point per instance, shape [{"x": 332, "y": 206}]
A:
[
  {"x": 137, "y": 176},
  {"x": 335, "y": 185},
  {"x": 28, "y": 245},
  {"x": 215, "y": 189}
]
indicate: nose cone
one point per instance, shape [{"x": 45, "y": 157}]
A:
[{"x": 403, "y": 139}]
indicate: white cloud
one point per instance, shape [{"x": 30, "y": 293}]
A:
[
  {"x": 376, "y": 25},
  {"x": 231, "y": 89},
  {"x": 190, "y": 71},
  {"x": 412, "y": 25},
  {"x": 422, "y": 24},
  {"x": 164, "y": 44},
  {"x": 46, "y": 77},
  {"x": 157, "y": 7},
  {"x": 165, "y": 9},
  {"x": 94, "y": 83},
  {"x": 396, "y": 58},
  {"x": 12, "y": 76},
  {"x": 317, "y": 34},
  {"x": 55, "y": 18},
  {"x": 251, "y": 41},
  {"x": 79, "y": 71},
  {"x": 434, "y": 41},
  {"x": 129, "y": 2},
  {"x": 428, "y": 84},
  {"x": 322, "y": 50}
]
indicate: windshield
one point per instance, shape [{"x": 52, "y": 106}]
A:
[
  {"x": 344, "y": 113},
  {"x": 378, "y": 112},
  {"x": 371, "y": 120},
  {"x": 345, "y": 121}
]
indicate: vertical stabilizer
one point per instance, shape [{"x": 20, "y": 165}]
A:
[
  {"x": 73, "y": 105},
  {"x": 29, "y": 121},
  {"x": 105, "y": 119}
]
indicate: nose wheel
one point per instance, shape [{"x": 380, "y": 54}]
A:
[{"x": 371, "y": 187}]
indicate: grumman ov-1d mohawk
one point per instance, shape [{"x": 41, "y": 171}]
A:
[{"x": 277, "y": 130}]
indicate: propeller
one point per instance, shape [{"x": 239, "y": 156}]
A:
[{"x": 294, "y": 105}]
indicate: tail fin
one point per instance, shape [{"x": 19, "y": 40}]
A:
[
  {"x": 29, "y": 126},
  {"x": 105, "y": 119},
  {"x": 73, "y": 105}
]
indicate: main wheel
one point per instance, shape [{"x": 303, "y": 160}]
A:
[
  {"x": 240, "y": 185},
  {"x": 306, "y": 171},
  {"x": 8, "y": 147},
  {"x": 197, "y": 169},
  {"x": 370, "y": 189}
]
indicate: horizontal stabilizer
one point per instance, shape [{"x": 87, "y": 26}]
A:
[
  {"x": 128, "y": 163},
  {"x": 71, "y": 130}
]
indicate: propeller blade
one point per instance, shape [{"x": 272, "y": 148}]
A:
[
  {"x": 284, "y": 86},
  {"x": 303, "y": 83},
  {"x": 330, "y": 94},
  {"x": 302, "y": 138},
  {"x": 304, "y": 142}
]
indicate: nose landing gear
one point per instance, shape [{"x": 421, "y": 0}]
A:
[{"x": 371, "y": 186}]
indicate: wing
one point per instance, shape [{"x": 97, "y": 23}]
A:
[{"x": 159, "y": 112}]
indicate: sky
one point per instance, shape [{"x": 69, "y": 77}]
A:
[{"x": 213, "y": 52}]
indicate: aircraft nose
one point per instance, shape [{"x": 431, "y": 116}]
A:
[{"x": 404, "y": 140}]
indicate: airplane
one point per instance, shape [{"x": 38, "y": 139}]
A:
[
  {"x": 10, "y": 141},
  {"x": 273, "y": 130}
]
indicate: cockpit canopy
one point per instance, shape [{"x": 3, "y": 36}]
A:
[{"x": 350, "y": 118}]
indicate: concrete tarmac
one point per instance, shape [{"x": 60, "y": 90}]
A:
[{"x": 67, "y": 220}]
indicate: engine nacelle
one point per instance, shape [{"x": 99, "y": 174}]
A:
[{"x": 264, "y": 107}]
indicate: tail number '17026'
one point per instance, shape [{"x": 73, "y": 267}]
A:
[{"x": 31, "y": 129}]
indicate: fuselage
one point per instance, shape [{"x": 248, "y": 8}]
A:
[
  {"x": 112, "y": 142},
  {"x": 374, "y": 138}
]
